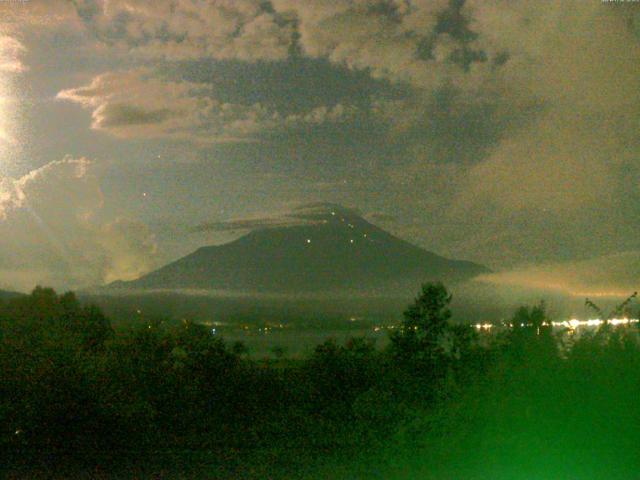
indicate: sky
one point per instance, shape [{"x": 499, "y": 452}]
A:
[{"x": 500, "y": 131}]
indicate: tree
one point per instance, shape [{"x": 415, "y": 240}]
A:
[
  {"x": 604, "y": 334},
  {"x": 531, "y": 320},
  {"x": 278, "y": 351},
  {"x": 239, "y": 348},
  {"x": 617, "y": 311},
  {"x": 531, "y": 334},
  {"x": 425, "y": 326}
]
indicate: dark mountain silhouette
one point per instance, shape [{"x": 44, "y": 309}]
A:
[
  {"x": 322, "y": 248},
  {"x": 6, "y": 294}
]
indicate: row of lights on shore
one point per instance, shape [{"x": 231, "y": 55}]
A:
[{"x": 572, "y": 324}]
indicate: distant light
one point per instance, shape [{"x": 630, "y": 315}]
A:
[
  {"x": 308, "y": 240},
  {"x": 621, "y": 321},
  {"x": 571, "y": 324},
  {"x": 484, "y": 326},
  {"x": 213, "y": 331},
  {"x": 351, "y": 240},
  {"x": 594, "y": 322}
]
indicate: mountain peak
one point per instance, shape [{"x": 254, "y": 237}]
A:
[{"x": 319, "y": 248}]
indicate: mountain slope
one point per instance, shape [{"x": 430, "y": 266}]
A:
[
  {"x": 7, "y": 294},
  {"x": 324, "y": 249}
]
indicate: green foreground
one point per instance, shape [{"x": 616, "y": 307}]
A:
[{"x": 171, "y": 400}]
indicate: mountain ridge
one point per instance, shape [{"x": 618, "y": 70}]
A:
[{"x": 325, "y": 247}]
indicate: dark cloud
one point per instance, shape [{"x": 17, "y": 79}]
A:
[
  {"x": 319, "y": 210},
  {"x": 118, "y": 115},
  {"x": 307, "y": 214},
  {"x": 296, "y": 84},
  {"x": 247, "y": 224},
  {"x": 138, "y": 104}
]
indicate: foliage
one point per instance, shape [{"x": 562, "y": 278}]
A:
[
  {"x": 618, "y": 311},
  {"x": 421, "y": 337},
  {"x": 441, "y": 402}
]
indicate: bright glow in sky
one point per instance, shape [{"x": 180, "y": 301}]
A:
[
  {"x": 10, "y": 67},
  {"x": 5, "y": 138}
]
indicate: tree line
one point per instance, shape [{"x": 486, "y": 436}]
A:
[{"x": 167, "y": 397}]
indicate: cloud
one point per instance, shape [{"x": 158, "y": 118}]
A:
[
  {"x": 427, "y": 44},
  {"x": 11, "y": 51},
  {"x": 130, "y": 249},
  {"x": 51, "y": 231},
  {"x": 575, "y": 165},
  {"x": 356, "y": 34},
  {"x": 609, "y": 276},
  {"x": 185, "y": 30},
  {"x": 135, "y": 104},
  {"x": 40, "y": 14},
  {"x": 319, "y": 210},
  {"x": 306, "y": 214},
  {"x": 241, "y": 225},
  {"x": 545, "y": 165},
  {"x": 424, "y": 43}
]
